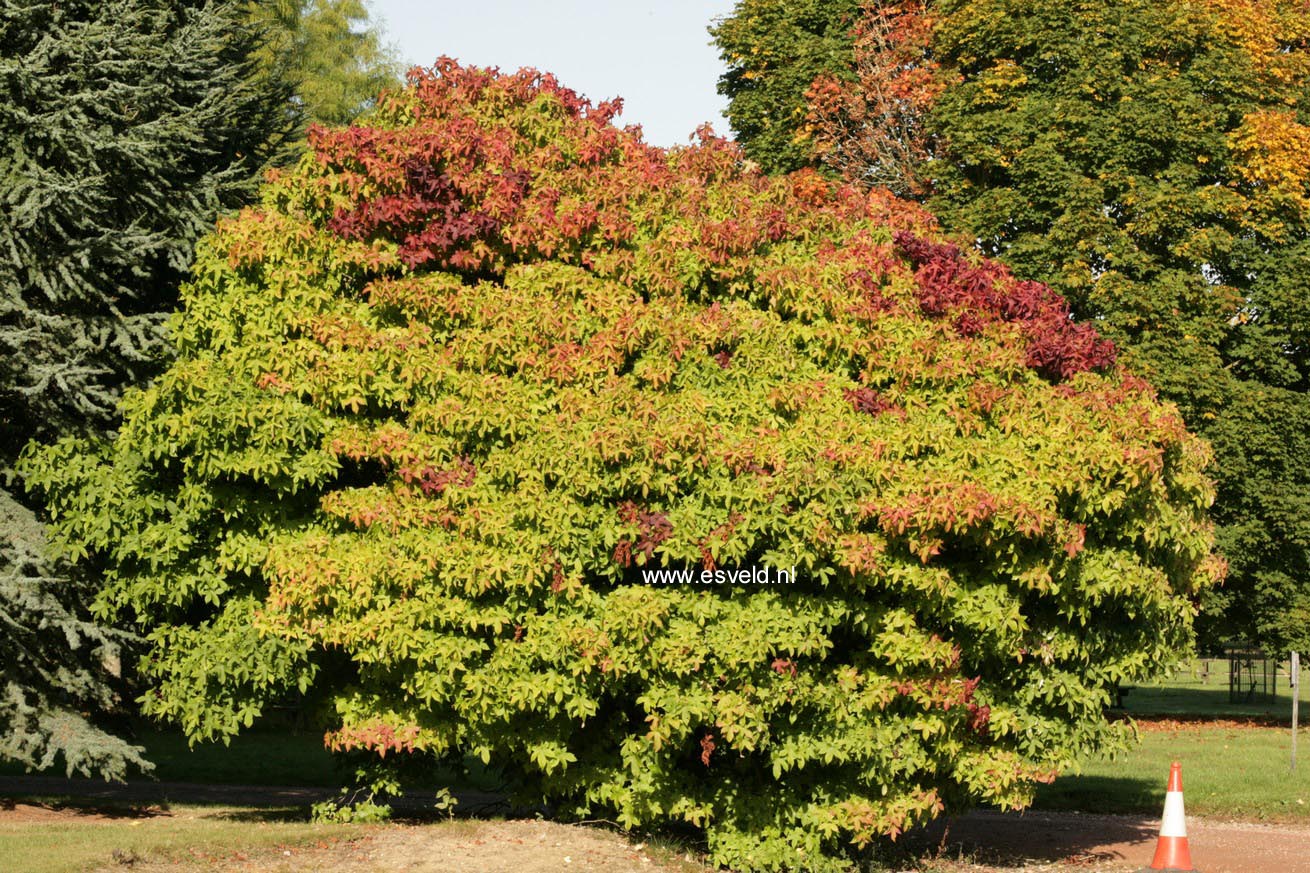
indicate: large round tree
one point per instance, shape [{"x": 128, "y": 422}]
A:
[{"x": 472, "y": 370}]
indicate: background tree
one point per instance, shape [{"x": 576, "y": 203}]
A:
[
  {"x": 1158, "y": 193},
  {"x": 1147, "y": 161},
  {"x": 478, "y": 362},
  {"x": 331, "y": 53},
  {"x": 873, "y": 128},
  {"x": 125, "y": 128},
  {"x": 774, "y": 51}
]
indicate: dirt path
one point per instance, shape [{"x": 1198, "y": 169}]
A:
[
  {"x": 1080, "y": 841},
  {"x": 983, "y": 841}
]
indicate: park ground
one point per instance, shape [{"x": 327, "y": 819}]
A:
[{"x": 219, "y": 809}]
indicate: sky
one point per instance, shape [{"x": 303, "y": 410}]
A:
[{"x": 657, "y": 56}]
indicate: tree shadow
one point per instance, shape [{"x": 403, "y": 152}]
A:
[
  {"x": 1107, "y": 795},
  {"x": 89, "y": 806},
  {"x": 1206, "y": 702},
  {"x": 263, "y": 815},
  {"x": 1015, "y": 839}
]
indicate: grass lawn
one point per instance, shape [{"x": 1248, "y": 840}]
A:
[
  {"x": 1201, "y": 689},
  {"x": 123, "y": 837},
  {"x": 262, "y": 756},
  {"x": 1229, "y": 771}
]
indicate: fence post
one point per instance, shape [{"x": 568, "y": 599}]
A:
[{"x": 1296, "y": 701}]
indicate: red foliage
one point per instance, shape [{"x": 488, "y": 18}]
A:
[
  {"x": 869, "y": 401},
  {"x": 461, "y": 187},
  {"x": 379, "y": 737},
  {"x": 433, "y": 481},
  {"x": 783, "y": 667},
  {"x": 428, "y": 216},
  {"x": 975, "y": 295},
  {"x": 871, "y": 127},
  {"x": 706, "y": 748},
  {"x": 653, "y": 528}
]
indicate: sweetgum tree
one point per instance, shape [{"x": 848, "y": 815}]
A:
[{"x": 470, "y": 369}]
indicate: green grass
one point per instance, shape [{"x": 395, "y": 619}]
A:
[
  {"x": 1228, "y": 771},
  {"x": 1196, "y": 691},
  {"x": 71, "y": 844},
  {"x": 264, "y": 756}
]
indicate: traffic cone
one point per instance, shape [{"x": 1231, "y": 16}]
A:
[{"x": 1171, "y": 852}]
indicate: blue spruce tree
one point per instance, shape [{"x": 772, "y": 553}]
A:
[{"x": 126, "y": 127}]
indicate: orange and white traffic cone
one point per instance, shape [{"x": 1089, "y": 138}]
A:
[{"x": 1171, "y": 852}]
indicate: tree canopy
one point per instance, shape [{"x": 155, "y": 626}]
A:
[
  {"x": 774, "y": 51},
  {"x": 1148, "y": 162},
  {"x": 125, "y": 128},
  {"x": 329, "y": 51},
  {"x": 476, "y": 364}
]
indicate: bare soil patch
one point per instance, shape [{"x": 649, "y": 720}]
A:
[
  {"x": 456, "y": 847},
  {"x": 977, "y": 843},
  {"x": 1043, "y": 841}
]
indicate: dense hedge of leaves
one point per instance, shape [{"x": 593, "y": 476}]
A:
[{"x": 471, "y": 369}]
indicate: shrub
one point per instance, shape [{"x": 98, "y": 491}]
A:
[{"x": 471, "y": 369}]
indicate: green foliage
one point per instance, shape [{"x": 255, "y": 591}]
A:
[
  {"x": 1146, "y": 160},
  {"x": 1136, "y": 156},
  {"x": 361, "y": 812},
  {"x": 774, "y": 51},
  {"x": 330, "y": 52},
  {"x": 125, "y": 127},
  {"x": 472, "y": 367},
  {"x": 54, "y": 664}
]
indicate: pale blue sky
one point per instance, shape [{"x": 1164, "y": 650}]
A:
[{"x": 657, "y": 56}]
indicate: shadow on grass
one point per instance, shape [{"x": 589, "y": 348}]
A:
[
  {"x": 1117, "y": 795},
  {"x": 88, "y": 806},
  {"x": 1206, "y": 701},
  {"x": 264, "y": 815}
]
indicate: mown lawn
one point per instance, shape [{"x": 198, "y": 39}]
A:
[
  {"x": 1229, "y": 771},
  {"x": 120, "y": 838},
  {"x": 1201, "y": 689}
]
